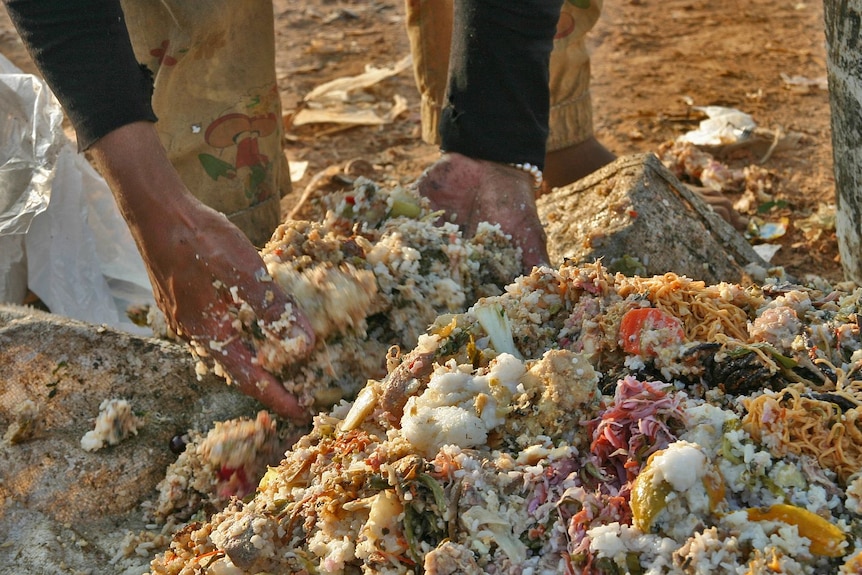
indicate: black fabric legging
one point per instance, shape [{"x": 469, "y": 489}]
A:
[
  {"x": 83, "y": 51},
  {"x": 498, "y": 99}
]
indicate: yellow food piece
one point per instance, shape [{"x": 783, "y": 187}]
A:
[
  {"x": 826, "y": 538},
  {"x": 713, "y": 481},
  {"x": 853, "y": 564},
  {"x": 404, "y": 206},
  {"x": 775, "y": 562},
  {"x": 270, "y": 476},
  {"x": 648, "y": 498}
]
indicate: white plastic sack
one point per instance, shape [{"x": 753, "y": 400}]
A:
[
  {"x": 58, "y": 219},
  {"x": 29, "y": 126}
]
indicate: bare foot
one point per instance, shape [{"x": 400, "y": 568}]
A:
[
  {"x": 722, "y": 206},
  {"x": 472, "y": 191}
]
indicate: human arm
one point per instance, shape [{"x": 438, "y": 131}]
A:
[
  {"x": 82, "y": 50},
  {"x": 193, "y": 254},
  {"x": 194, "y": 257}
]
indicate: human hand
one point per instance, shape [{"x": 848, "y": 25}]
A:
[
  {"x": 471, "y": 191},
  {"x": 217, "y": 295},
  {"x": 207, "y": 278}
]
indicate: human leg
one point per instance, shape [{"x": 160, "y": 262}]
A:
[
  {"x": 572, "y": 150},
  {"x": 495, "y": 115},
  {"x": 217, "y": 101}
]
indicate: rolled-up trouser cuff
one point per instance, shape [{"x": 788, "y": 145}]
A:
[
  {"x": 571, "y": 122},
  {"x": 430, "y": 120}
]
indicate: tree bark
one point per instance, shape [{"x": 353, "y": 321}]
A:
[{"x": 844, "y": 69}]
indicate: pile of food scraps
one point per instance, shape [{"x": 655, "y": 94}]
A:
[
  {"x": 371, "y": 276},
  {"x": 375, "y": 272},
  {"x": 581, "y": 422}
]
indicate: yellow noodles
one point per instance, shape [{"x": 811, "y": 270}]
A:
[
  {"x": 704, "y": 310},
  {"x": 806, "y": 426}
]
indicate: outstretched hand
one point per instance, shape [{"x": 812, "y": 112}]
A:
[
  {"x": 206, "y": 280},
  {"x": 207, "y": 277},
  {"x": 471, "y": 191}
]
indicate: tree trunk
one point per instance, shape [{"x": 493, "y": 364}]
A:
[{"x": 844, "y": 68}]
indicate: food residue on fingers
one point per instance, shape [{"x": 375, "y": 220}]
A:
[{"x": 374, "y": 272}]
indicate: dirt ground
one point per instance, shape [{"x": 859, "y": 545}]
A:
[{"x": 652, "y": 62}]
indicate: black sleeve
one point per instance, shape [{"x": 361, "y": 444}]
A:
[
  {"x": 83, "y": 51},
  {"x": 498, "y": 98}
]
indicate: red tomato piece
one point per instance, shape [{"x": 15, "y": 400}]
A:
[{"x": 658, "y": 327}]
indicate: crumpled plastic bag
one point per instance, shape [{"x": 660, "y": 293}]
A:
[
  {"x": 61, "y": 233},
  {"x": 29, "y": 125},
  {"x": 723, "y": 126}
]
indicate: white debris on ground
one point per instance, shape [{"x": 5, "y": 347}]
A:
[
  {"x": 24, "y": 423},
  {"x": 116, "y": 421}
]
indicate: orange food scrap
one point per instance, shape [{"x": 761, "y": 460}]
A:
[{"x": 826, "y": 538}]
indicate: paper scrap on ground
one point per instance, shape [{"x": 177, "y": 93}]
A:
[
  {"x": 340, "y": 102},
  {"x": 297, "y": 169},
  {"x": 820, "y": 82},
  {"x": 767, "y": 251}
]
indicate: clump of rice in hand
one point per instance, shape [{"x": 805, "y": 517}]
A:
[{"x": 376, "y": 272}]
